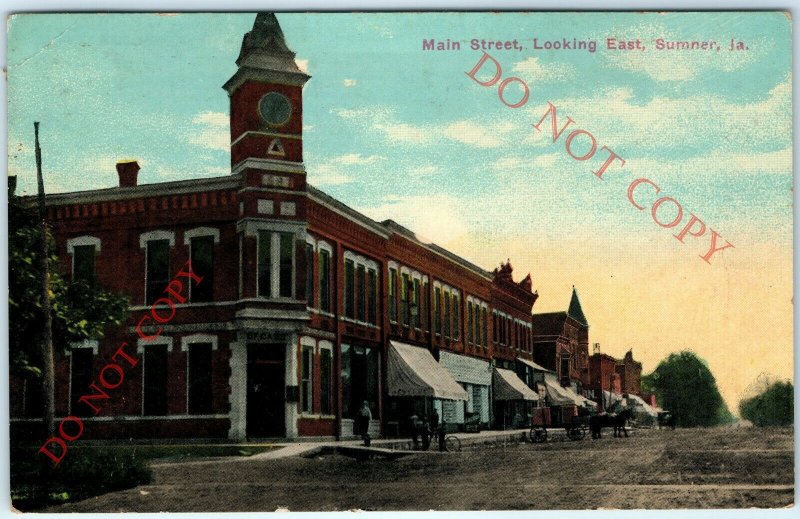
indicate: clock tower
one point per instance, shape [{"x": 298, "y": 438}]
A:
[{"x": 266, "y": 100}]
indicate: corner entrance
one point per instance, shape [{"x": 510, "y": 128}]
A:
[{"x": 266, "y": 390}]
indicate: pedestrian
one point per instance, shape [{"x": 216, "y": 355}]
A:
[
  {"x": 364, "y": 416},
  {"x": 415, "y": 427}
]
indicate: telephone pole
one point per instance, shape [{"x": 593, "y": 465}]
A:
[{"x": 48, "y": 363}]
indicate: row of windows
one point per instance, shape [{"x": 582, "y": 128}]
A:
[
  {"x": 154, "y": 379},
  {"x": 309, "y": 386},
  {"x": 446, "y": 311},
  {"x": 407, "y": 297},
  {"x": 360, "y": 289},
  {"x": 511, "y": 332},
  {"x": 477, "y": 323}
]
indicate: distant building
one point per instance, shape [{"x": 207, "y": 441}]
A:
[
  {"x": 561, "y": 344},
  {"x": 630, "y": 374}
]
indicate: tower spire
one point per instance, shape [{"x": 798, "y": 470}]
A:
[{"x": 575, "y": 311}]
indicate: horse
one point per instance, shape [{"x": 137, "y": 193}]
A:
[{"x": 617, "y": 421}]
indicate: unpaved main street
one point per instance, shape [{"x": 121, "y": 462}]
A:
[{"x": 701, "y": 468}]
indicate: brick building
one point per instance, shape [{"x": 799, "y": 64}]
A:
[
  {"x": 630, "y": 374},
  {"x": 306, "y": 309},
  {"x": 561, "y": 344}
]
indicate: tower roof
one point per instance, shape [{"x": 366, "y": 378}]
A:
[
  {"x": 575, "y": 311},
  {"x": 265, "y": 56}
]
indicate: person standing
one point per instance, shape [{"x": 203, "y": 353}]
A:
[{"x": 364, "y": 417}]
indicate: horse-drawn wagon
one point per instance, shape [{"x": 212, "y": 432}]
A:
[{"x": 565, "y": 417}]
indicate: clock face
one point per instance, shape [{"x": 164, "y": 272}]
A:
[{"x": 275, "y": 109}]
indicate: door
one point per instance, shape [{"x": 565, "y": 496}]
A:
[{"x": 266, "y": 390}]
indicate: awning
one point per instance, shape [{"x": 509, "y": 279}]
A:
[
  {"x": 508, "y": 386},
  {"x": 561, "y": 395},
  {"x": 638, "y": 402},
  {"x": 466, "y": 369},
  {"x": 412, "y": 371},
  {"x": 535, "y": 366}
]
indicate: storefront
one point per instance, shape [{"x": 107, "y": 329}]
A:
[
  {"x": 513, "y": 400},
  {"x": 475, "y": 376}
]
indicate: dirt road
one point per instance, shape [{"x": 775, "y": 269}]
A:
[{"x": 705, "y": 468}]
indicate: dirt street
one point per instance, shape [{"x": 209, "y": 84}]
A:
[{"x": 702, "y": 468}]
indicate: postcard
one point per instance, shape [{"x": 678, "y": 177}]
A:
[{"x": 400, "y": 261}]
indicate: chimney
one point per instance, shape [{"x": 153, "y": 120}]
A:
[{"x": 127, "y": 170}]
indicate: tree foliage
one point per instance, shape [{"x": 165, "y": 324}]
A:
[
  {"x": 80, "y": 311},
  {"x": 684, "y": 385},
  {"x": 775, "y": 406}
]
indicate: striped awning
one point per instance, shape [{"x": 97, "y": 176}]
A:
[{"x": 412, "y": 371}]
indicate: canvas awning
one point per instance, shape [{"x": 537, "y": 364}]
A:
[
  {"x": 535, "y": 366},
  {"x": 412, "y": 371},
  {"x": 639, "y": 403},
  {"x": 466, "y": 369},
  {"x": 561, "y": 395},
  {"x": 508, "y": 386}
]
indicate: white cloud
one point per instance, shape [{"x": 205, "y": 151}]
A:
[
  {"x": 302, "y": 64},
  {"x": 350, "y": 82},
  {"x": 532, "y": 71},
  {"x": 434, "y": 218},
  {"x": 718, "y": 163},
  {"x": 424, "y": 171},
  {"x": 356, "y": 159},
  {"x": 211, "y": 130}
]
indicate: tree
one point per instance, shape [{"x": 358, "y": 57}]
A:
[
  {"x": 775, "y": 406},
  {"x": 79, "y": 311},
  {"x": 684, "y": 385}
]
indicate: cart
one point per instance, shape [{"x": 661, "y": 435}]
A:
[{"x": 542, "y": 420}]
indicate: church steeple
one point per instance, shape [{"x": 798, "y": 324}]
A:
[{"x": 575, "y": 311}]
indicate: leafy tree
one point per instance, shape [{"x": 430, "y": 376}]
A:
[
  {"x": 775, "y": 406},
  {"x": 79, "y": 311},
  {"x": 684, "y": 385}
]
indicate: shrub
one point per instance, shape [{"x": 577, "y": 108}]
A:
[{"x": 36, "y": 483}]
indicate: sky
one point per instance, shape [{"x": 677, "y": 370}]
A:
[{"x": 398, "y": 132}]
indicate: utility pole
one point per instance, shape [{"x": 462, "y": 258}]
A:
[{"x": 48, "y": 362}]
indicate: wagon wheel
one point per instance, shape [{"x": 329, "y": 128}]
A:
[
  {"x": 538, "y": 434},
  {"x": 575, "y": 433},
  {"x": 452, "y": 444}
]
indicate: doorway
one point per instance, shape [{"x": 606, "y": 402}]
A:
[{"x": 266, "y": 391}]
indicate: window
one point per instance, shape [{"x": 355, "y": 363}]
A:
[
  {"x": 155, "y": 380},
  {"x": 309, "y": 275},
  {"x": 324, "y": 281},
  {"x": 447, "y": 314},
  {"x": 80, "y": 378},
  {"x": 349, "y": 289},
  {"x": 456, "y": 316},
  {"x": 470, "y": 322},
  {"x": 202, "y": 258},
  {"x": 372, "y": 299},
  {"x": 362, "y": 293},
  {"x": 83, "y": 267},
  {"x": 415, "y": 302},
  {"x": 307, "y": 379},
  {"x": 393, "y": 295},
  {"x": 199, "y": 378},
  {"x": 157, "y": 269},
  {"x": 437, "y": 309},
  {"x": 405, "y": 307},
  {"x": 360, "y": 375},
  {"x": 264, "y": 264},
  {"x": 286, "y": 264},
  {"x": 484, "y": 328},
  {"x": 325, "y": 369}
]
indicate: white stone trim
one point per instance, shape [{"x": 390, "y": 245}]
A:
[
  {"x": 200, "y": 231},
  {"x": 238, "y": 395},
  {"x": 311, "y": 241},
  {"x": 323, "y": 245},
  {"x": 308, "y": 341},
  {"x": 141, "y": 344},
  {"x": 156, "y": 235},
  {"x": 325, "y": 345},
  {"x": 81, "y": 241},
  {"x": 252, "y": 227},
  {"x": 188, "y": 340},
  {"x": 86, "y": 343},
  {"x": 358, "y": 259},
  {"x": 394, "y": 265}
]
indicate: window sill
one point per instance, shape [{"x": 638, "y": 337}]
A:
[
  {"x": 312, "y": 416},
  {"x": 360, "y": 323}
]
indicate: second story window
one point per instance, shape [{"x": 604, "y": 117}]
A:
[
  {"x": 157, "y": 269},
  {"x": 325, "y": 280},
  {"x": 202, "y": 258},
  {"x": 349, "y": 289},
  {"x": 84, "y": 252},
  {"x": 393, "y": 294},
  {"x": 362, "y": 293},
  {"x": 437, "y": 310},
  {"x": 275, "y": 257},
  {"x": 309, "y": 275},
  {"x": 372, "y": 296}
]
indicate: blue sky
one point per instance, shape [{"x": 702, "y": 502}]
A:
[{"x": 400, "y": 133}]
